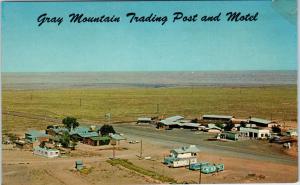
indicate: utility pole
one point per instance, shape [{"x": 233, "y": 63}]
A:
[
  {"x": 109, "y": 118},
  {"x": 114, "y": 152},
  {"x": 141, "y": 149},
  {"x": 271, "y": 116},
  {"x": 80, "y": 102},
  {"x": 200, "y": 175},
  {"x": 157, "y": 108}
]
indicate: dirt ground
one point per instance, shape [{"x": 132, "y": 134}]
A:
[{"x": 22, "y": 167}]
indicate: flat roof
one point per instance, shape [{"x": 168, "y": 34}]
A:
[
  {"x": 79, "y": 162},
  {"x": 35, "y": 133},
  {"x": 99, "y": 138},
  {"x": 88, "y": 134},
  {"x": 144, "y": 119},
  {"x": 217, "y": 116},
  {"x": 190, "y": 124},
  {"x": 117, "y": 137}
]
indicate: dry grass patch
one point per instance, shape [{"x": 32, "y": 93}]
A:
[{"x": 125, "y": 163}]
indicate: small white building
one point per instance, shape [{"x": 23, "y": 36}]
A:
[
  {"x": 46, "y": 152},
  {"x": 260, "y": 133},
  {"x": 183, "y": 156}
]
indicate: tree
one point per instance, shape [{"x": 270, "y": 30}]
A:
[
  {"x": 12, "y": 137},
  {"x": 106, "y": 129},
  {"x": 194, "y": 120},
  {"x": 43, "y": 144},
  {"x": 243, "y": 124},
  {"x": 73, "y": 144},
  {"x": 229, "y": 126},
  {"x": 65, "y": 139},
  {"x": 276, "y": 129},
  {"x": 70, "y": 122}
]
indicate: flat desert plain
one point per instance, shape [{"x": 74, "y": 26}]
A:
[{"x": 246, "y": 161}]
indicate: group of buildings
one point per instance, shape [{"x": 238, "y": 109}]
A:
[
  {"x": 183, "y": 156},
  {"x": 251, "y": 127},
  {"x": 52, "y": 137}
]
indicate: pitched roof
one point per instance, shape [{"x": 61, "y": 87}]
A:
[
  {"x": 258, "y": 120},
  {"x": 168, "y": 122},
  {"x": 174, "y": 118},
  {"x": 190, "y": 124},
  {"x": 186, "y": 149},
  {"x": 60, "y": 129},
  {"x": 213, "y": 126},
  {"x": 80, "y": 129}
]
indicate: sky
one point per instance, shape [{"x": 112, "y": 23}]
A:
[{"x": 270, "y": 43}]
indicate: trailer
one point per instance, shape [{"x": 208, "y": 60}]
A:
[
  {"x": 220, "y": 167},
  {"x": 206, "y": 168},
  {"x": 179, "y": 162},
  {"x": 197, "y": 166}
]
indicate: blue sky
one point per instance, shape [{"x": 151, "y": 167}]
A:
[{"x": 267, "y": 44}]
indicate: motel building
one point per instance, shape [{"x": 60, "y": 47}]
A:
[
  {"x": 45, "y": 152},
  {"x": 258, "y": 133}
]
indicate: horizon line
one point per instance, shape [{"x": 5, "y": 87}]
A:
[{"x": 260, "y": 70}]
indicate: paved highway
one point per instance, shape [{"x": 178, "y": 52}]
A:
[{"x": 178, "y": 137}]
